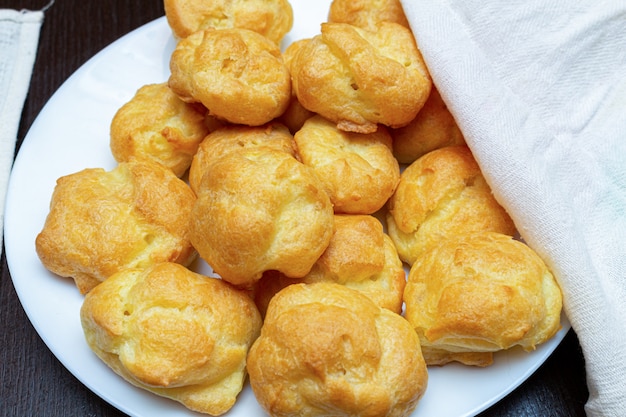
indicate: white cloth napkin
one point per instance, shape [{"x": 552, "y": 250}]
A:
[
  {"x": 539, "y": 89},
  {"x": 19, "y": 37}
]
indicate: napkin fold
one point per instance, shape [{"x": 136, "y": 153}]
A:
[
  {"x": 19, "y": 37},
  {"x": 539, "y": 89}
]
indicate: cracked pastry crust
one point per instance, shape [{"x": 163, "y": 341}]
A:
[
  {"x": 173, "y": 332},
  {"x": 233, "y": 138},
  {"x": 367, "y": 13},
  {"x": 326, "y": 349},
  {"x": 440, "y": 195},
  {"x": 237, "y": 74},
  {"x": 157, "y": 125},
  {"x": 101, "y": 222},
  {"x": 360, "y": 78},
  {"x": 479, "y": 293},
  {"x": 260, "y": 209},
  {"x": 358, "y": 170},
  {"x": 271, "y": 18},
  {"x": 360, "y": 256},
  {"x": 434, "y": 127},
  {"x": 296, "y": 114}
]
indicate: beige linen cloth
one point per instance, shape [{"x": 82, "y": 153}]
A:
[
  {"x": 19, "y": 37},
  {"x": 539, "y": 89}
]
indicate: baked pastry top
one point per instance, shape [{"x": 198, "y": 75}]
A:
[
  {"x": 360, "y": 78},
  {"x": 237, "y": 74},
  {"x": 442, "y": 194},
  {"x": 271, "y": 18},
  {"x": 481, "y": 292},
  {"x": 358, "y": 170},
  {"x": 173, "y": 332},
  {"x": 260, "y": 209},
  {"x": 326, "y": 349},
  {"x": 102, "y": 221},
  {"x": 360, "y": 256},
  {"x": 434, "y": 127},
  {"x": 233, "y": 138},
  {"x": 157, "y": 125},
  {"x": 367, "y": 13}
]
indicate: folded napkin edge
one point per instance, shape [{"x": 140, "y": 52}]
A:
[{"x": 19, "y": 75}]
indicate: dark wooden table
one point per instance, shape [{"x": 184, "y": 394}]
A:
[{"x": 32, "y": 381}]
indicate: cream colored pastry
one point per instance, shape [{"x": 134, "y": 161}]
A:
[
  {"x": 157, "y": 125},
  {"x": 479, "y": 293},
  {"x": 101, "y": 222},
  {"x": 296, "y": 114},
  {"x": 358, "y": 170},
  {"x": 360, "y": 256},
  {"x": 434, "y": 127},
  {"x": 237, "y": 74},
  {"x": 173, "y": 332},
  {"x": 233, "y": 138},
  {"x": 367, "y": 13},
  {"x": 260, "y": 209},
  {"x": 360, "y": 78},
  {"x": 271, "y": 18},
  {"x": 440, "y": 195},
  {"x": 326, "y": 349}
]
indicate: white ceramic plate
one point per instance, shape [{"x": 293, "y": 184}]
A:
[{"x": 72, "y": 133}]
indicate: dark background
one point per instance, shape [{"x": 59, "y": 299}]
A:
[{"x": 33, "y": 382}]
